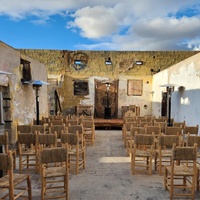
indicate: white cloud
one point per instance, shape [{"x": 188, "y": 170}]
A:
[{"x": 119, "y": 24}]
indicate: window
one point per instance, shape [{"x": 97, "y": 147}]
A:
[
  {"x": 26, "y": 71},
  {"x": 135, "y": 87},
  {"x": 81, "y": 87}
]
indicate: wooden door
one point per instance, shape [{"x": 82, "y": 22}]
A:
[
  {"x": 164, "y": 104},
  {"x": 101, "y": 98}
]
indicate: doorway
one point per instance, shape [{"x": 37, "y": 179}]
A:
[
  {"x": 164, "y": 104},
  {"x": 101, "y": 98}
]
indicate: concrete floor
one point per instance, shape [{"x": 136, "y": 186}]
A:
[{"x": 108, "y": 175}]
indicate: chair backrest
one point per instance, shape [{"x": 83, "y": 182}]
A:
[
  {"x": 143, "y": 123},
  {"x": 38, "y": 128},
  {"x": 184, "y": 153},
  {"x": 59, "y": 129},
  {"x": 144, "y": 139},
  {"x": 88, "y": 124},
  {"x": 170, "y": 130},
  {"x": 6, "y": 161},
  {"x": 56, "y": 122},
  {"x": 74, "y": 128},
  {"x": 73, "y": 121},
  {"x": 156, "y": 130},
  {"x": 46, "y": 140},
  {"x": 27, "y": 138},
  {"x": 192, "y": 130},
  {"x": 159, "y": 120},
  {"x": 24, "y": 128},
  {"x": 70, "y": 138},
  {"x": 53, "y": 155},
  {"x": 4, "y": 141},
  {"x": 162, "y": 125},
  {"x": 193, "y": 139},
  {"x": 168, "y": 140},
  {"x": 138, "y": 130},
  {"x": 41, "y": 122},
  {"x": 179, "y": 124}
]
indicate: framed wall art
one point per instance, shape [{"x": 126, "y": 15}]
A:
[{"x": 134, "y": 87}]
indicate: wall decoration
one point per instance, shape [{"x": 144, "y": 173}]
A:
[
  {"x": 135, "y": 87},
  {"x": 81, "y": 87},
  {"x": 79, "y": 60}
]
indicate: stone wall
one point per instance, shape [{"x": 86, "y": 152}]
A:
[{"x": 62, "y": 63}]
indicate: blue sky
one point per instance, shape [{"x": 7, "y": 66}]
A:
[{"x": 101, "y": 24}]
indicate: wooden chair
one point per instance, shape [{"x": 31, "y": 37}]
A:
[
  {"x": 142, "y": 154},
  {"x": 76, "y": 150},
  {"x": 28, "y": 159},
  {"x": 191, "y": 140},
  {"x": 126, "y": 131},
  {"x": 12, "y": 185},
  {"x": 89, "y": 131},
  {"x": 4, "y": 142},
  {"x": 179, "y": 179},
  {"x": 163, "y": 151},
  {"x": 54, "y": 178},
  {"x": 129, "y": 141}
]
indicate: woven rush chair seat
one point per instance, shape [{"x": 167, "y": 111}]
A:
[
  {"x": 54, "y": 177},
  {"x": 179, "y": 178},
  {"x": 13, "y": 185}
]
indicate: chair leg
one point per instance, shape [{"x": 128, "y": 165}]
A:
[
  {"x": 29, "y": 187},
  {"x": 198, "y": 179},
  {"x": 165, "y": 179}
]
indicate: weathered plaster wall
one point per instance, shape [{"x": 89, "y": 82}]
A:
[
  {"x": 185, "y": 99},
  {"x": 22, "y": 96},
  {"x": 123, "y": 68}
]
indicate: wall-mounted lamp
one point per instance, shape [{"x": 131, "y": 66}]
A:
[
  {"x": 154, "y": 71},
  {"x": 108, "y": 61},
  {"x": 139, "y": 62}
]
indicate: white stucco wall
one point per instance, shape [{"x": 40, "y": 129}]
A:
[
  {"x": 23, "y": 103},
  {"x": 185, "y": 99}
]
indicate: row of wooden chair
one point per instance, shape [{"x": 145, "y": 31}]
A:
[
  {"x": 179, "y": 163},
  {"x": 54, "y": 176},
  {"x": 30, "y": 144}
]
